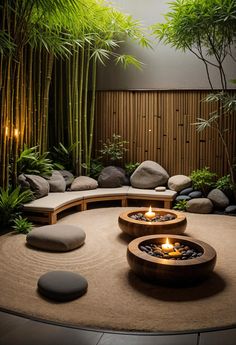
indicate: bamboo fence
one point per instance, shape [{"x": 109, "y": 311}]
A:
[{"x": 159, "y": 126}]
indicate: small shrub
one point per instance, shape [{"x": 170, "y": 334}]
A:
[
  {"x": 95, "y": 168},
  {"x": 114, "y": 149},
  {"x": 203, "y": 180},
  {"x": 181, "y": 205},
  {"x": 22, "y": 225},
  {"x": 224, "y": 183},
  {"x": 131, "y": 167}
]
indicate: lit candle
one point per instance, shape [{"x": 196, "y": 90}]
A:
[
  {"x": 7, "y": 131},
  {"x": 150, "y": 214},
  {"x": 167, "y": 247}
]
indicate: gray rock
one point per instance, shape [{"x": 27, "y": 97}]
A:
[
  {"x": 186, "y": 191},
  {"x": 218, "y": 198},
  {"x": 231, "y": 209},
  {"x": 182, "y": 197},
  {"x": 149, "y": 174},
  {"x": 68, "y": 177},
  {"x": 200, "y": 205},
  {"x": 195, "y": 194},
  {"x": 179, "y": 182},
  {"x": 111, "y": 177},
  {"x": 56, "y": 182}
]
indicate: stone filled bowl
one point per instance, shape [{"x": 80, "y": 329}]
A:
[
  {"x": 137, "y": 228},
  {"x": 171, "y": 271}
]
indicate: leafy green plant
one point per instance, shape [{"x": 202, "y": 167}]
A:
[
  {"x": 131, "y": 167},
  {"x": 203, "y": 180},
  {"x": 180, "y": 205},
  {"x": 32, "y": 162},
  {"x": 11, "y": 202},
  {"x": 22, "y": 225},
  {"x": 94, "y": 169},
  {"x": 114, "y": 149},
  {"x": 224, "y": 183},
  {"x": 63, "y": 157}
]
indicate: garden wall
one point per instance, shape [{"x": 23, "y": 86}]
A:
[{"x": 159, "y": 126}]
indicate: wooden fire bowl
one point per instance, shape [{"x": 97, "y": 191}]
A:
[
  {"x": 137, "y": 228},
  {"x": 176, "y": 272}
]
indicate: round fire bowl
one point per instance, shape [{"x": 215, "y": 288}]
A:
[
  {"x": 137, "y": 228},
  {"x": 176, "y": 272}
]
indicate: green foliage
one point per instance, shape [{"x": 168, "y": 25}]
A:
[
  {"x": 203, "y": 180},
  {"x": 224, "y": 183},
  {"x": 114, "y": 149},
  {"x": 32, "y": 162},
  {"x": 204, "y": 27},
  {"x": 180, "y": 205},
  {"x": 22, "y": 225},
  {"x": 131, "y": 167},
  {"x": 94, "y": 169},
  {"x": 63, "y": 157},
  {"x": 11, "y": 202}
]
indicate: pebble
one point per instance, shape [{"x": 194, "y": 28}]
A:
[
  {"x": 180, "y": 252},
  {"x": 160, "y": 189},
  {"x": 158, "y": 218}
]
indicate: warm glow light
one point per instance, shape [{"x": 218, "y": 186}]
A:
[
  {"x": 167, "y": 247},
  {"x": 150, "y": 214},
  {"x": 16, "y": 133},
  {"x": 7, "y": 131}
]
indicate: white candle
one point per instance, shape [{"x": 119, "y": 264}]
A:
[
  {"x": 150, "y": 214},
  {"x": 167, "y": 247}
]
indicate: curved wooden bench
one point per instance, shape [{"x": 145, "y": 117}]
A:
[{"x": 46, "y": 209}]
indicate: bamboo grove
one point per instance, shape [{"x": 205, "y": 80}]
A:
[{"x": 49, "y": 53}]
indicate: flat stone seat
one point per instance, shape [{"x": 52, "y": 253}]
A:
[
  {"x": 62, "y": 285},
  {"x": 57, "y": 237}
]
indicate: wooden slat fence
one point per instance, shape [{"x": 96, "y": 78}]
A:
[{"x": 159, "y": 126}]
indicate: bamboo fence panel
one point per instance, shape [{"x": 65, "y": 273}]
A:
[{"x": 159, "y": 126}]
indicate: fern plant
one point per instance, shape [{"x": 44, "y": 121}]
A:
[
  {"x": 11, "y": 202},
  {"x": 181, "y": 205}
]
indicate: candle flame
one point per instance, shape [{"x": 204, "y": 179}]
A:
[
  {"x": 167, "y": 241},
  {"x": 150, "y": 209},
  {"x": 7, "y": 131}
]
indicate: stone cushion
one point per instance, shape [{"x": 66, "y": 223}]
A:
[
  {"x": 62, "y": 285},
  {"x": 149, "y": 174},
  {"x": 84, "y": 183},
  {"x": 57, "y": 237},
  {"x": 56, "y": 182},
  {"x": 38, "y": 185}
]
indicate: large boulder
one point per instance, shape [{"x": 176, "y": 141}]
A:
[
  {"x": 218, "y": 198},
  {"x": 200, "y": 205},
  {"x": 179, "y": 182},
  {"x": 149, "y": 174},
  {"x": 112, "y": 177}
]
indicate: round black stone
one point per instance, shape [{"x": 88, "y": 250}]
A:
[{"x": 62, "y": 285}]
